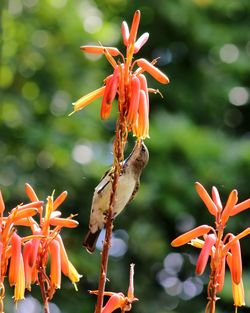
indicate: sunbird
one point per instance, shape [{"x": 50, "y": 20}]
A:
[{"x": 127, "y": 187}]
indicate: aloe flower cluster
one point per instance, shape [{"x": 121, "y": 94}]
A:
[
  {"x": 223, "y": 249},
  {"x": 24, "y": 260},
  {"x": 127, "y": 81}
]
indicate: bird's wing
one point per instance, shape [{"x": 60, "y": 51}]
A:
[
  {"x": 137, "y": 186},
  {"x": 105, "y": 180}
]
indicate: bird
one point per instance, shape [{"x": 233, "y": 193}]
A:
[{"x": 127, "y": 187}]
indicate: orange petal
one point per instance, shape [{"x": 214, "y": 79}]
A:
[
  {"x": 143, "y": 118},
  {"x": 59, "y": 200},
  {"x": 216, "y": 198},
  {"x": 243, "y": 234},
  {"x": 134, "y": 27},
  {"x": 24, "y": 213},
  {"x": 99, "y": 49},
  {"x": 31, "y": 193},
  {"x": 193, "y": 233},
  {"x": 27, "y": 268},
  {"x": 109, "y": 94},
  {"x": 35, "y": 204},
  {"x": 236, "y": 264},
  {"x": 212, "y": 208},
  {"x": 15, "y": 259},
  {"x": 64, "y": 256},
  {"x": 125, "y": 33},
  {"x": 204, "y": 254},
  {"x": 55, "y": 264},
  {"x": 232, "y": 200},
  {"x": 2, "y": 206},
  {"x": 87, "y": 99},
  {"x": 240, "y": 207},
  {"x": 63, "y": 222},
  {"x": 34, "y": 251},
  {"x": 117, "y": 300},
  {"x": 134, "y": 99},
  {"x": 144, "y": 86},
  {"x": 141, "y": 42},
  {"x": 153, "y": 71}
]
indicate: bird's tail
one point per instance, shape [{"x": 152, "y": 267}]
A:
[{"x": 90, "y": 240}]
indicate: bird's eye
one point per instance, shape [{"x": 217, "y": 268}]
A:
[{"x": 143, "y": 148}]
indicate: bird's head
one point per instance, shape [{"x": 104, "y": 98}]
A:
[{"x": 139, "y": 156}]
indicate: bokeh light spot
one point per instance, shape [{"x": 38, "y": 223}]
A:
[
  {"x": 229, "y": 53},
  {"x": 40, "y": 38},
  {"x": 173, "y": 263},
  {"x": 238, "y": 96},
  {"x": 58, "y": 3},
  {"x": 30, "y": 91},
  {"x": 82, "y": 154},
  {"x": 92, "y": 24}
]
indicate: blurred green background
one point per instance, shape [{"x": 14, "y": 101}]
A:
[{"x": 199, "y": 132}]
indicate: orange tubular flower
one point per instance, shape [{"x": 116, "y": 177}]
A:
[
  {"x": 204, "y": 254},
  {"x": 219, "y": 247},
  {"x": 237, "y": 288},
  {"x": 188, "y": 236},
  {"x": 127, "y": 83},
  {"x": 55, "y": 264}
]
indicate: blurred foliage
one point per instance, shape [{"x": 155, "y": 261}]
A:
[{"x": 199, "y": 131}]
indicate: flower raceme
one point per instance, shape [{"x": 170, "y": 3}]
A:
[
  {"x": 221, "y": 249},
  {"x": 130, "y": 85},
  {"x": 24, "y": 259}
]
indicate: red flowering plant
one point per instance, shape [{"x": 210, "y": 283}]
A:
[
  {"x": 128, "y": 82},
  {"x": 221, "y": 248},
  {"x": 24, "y": 260}
]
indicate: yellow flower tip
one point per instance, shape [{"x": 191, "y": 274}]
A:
[
  {"x": 188, "y": 236},
  {"x": 73, "y": 275},
  {"x": 87, "y": 99},
  {"x": 20, "y": 282},
  {"x": 237, "y": 289},
  {"x": 72, "y": 111}
]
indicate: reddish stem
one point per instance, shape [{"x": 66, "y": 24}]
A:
[{"x": 118, "y": 156}]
